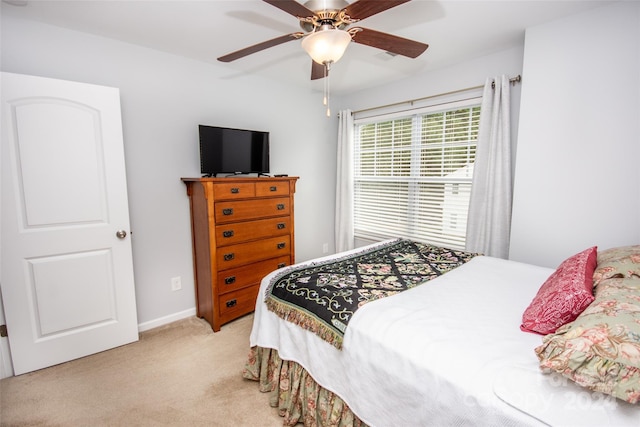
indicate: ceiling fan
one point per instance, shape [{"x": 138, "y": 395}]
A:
[{"x": 327, "y": 34}]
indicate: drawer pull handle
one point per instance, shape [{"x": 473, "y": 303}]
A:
[
  {"x": 281, "y": 226},
  {"x": 229, "y": 280},
  {"x": 229, "y": 257},
  {"x": 282, "y": 264},
  {"x": 273, "y": 188},
  {"x": 227, "y": 233},
  {"x": 231, "y": 303},
  {"x": 280, "y": 206},
  {"x": 227, "y": 211},
  {"x": 235, "y": 190},
  {"x": 281, "y": 245}
]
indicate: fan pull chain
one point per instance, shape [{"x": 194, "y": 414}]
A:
[
  {"x": 327, "y": 88},
  {"x": 324, "y": 95}
]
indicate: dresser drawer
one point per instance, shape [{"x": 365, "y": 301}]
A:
[
  {"x": 238, "y": 232},
  {"x": 246, "y": 253},
  {"x": 251, "y": 209},
  {"x": 237, "y": 303},
  {"x": 233, "y": 190},
  {"x": 273, "y": 188},
  {"x": 241, "y": 277}
]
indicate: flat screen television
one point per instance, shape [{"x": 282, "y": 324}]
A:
[{"x": 233, "y": 151}]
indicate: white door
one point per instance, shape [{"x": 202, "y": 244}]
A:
[{"x": 67, "y": 271}]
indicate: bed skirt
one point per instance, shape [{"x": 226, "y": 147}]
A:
[{"x": 297, "y": 396}]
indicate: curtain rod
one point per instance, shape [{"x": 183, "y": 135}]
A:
[{"x": 512, "y": 80}]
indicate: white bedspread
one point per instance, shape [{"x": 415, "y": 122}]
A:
[{"x": 448, "y": 352}]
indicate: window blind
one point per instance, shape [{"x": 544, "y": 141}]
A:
[{"x": 413, "y": 174}]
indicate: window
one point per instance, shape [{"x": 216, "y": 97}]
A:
[{"x": 413, "y": 174}]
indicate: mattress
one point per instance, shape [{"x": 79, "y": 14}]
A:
[{"x": 449, "y": 351}]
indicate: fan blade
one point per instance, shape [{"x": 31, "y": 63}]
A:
[
  {"x": 292, "y": 7},
  {"x": 318, "y": 71},
  {"x": 362, "y": 9},
  {"x": 388, "y": 42},
  {"x": 258, "y": 47}
]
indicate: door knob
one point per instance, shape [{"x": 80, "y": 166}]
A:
[{"x": 121, "y": 234}]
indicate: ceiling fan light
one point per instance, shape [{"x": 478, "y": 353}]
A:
[{"x": 326, "y": 46}]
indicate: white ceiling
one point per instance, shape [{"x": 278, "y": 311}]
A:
[{"x": 455, "y": 30}]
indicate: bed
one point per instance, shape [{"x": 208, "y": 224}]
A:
[{"x": 451, "y": 351}]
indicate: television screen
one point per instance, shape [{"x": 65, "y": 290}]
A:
[{"x": 234, "y": 151}]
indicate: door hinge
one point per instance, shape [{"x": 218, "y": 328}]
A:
[{"x": 3, "y": 331}]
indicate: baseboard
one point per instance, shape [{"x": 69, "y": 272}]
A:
[{"x": 166, "y": 319}]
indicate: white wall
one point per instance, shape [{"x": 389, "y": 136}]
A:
[
  {"x": 577, "y": 178},
  {"x": 164, "y": 98},
  {"x": 459, "y": 76}
]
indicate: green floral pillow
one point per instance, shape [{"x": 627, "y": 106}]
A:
[
  {"x": 617, "y": 262},
  {"x": 600, "y": 350}
]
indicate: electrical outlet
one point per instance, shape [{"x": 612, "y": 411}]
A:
[
  {"x": 176, "y": 283},
  {"x": 325, "y": 248}
]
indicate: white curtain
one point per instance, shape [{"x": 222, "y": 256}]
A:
[
  {"x": 344, "y": 183},
  {"x": 489, "y": 222}
]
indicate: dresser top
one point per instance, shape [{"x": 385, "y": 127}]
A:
[{"x": 241, "y": 178}]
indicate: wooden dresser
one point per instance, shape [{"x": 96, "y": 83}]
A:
[{"x": 242, "y": 229}]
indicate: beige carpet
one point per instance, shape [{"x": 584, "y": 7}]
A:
[{"x": 181, "y": 374}]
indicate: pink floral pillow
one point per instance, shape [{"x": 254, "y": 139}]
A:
[{"x": 563, "y": 296}]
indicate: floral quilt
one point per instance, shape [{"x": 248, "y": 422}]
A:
[{"x": 323, "y": 296}]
